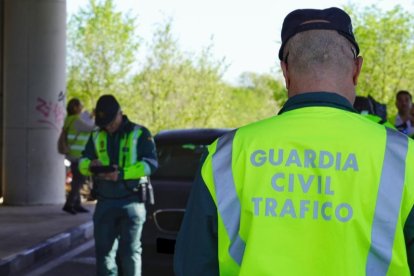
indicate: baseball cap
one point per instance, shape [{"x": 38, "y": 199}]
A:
[
  {"x": 311, "y": 19},
  {"x": 107, "y": 108}
]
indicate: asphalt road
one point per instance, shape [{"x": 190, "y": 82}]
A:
[{"x": 80, "y": 261}]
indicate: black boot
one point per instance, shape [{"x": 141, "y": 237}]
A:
[{"x": 69, "y": 209}]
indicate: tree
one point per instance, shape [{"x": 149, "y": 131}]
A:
[
  {"x": 177, "y": 90},
  {"x": 257, "y": 97},
  {"x": 173, "y": 89},
  {"x": 386, "y": 40},
  {"x": 102, "y": 46}
]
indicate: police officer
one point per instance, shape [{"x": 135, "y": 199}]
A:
[
  {"x": 129, "y": 151},
  {"x": 316, "y": 190}
]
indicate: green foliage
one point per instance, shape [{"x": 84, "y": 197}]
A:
[
  {"x": 102, "y": 49},
  {"x": 171, "y": 88},
  {"x": 257, "y": 97},
  {"x": 175, "y": 90},
  {"x": 386, "y": 41}
]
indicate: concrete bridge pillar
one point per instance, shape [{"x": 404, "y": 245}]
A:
[{"x": 34, "y": 88}]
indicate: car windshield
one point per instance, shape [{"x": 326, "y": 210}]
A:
[{"x": 178, "y": 161}]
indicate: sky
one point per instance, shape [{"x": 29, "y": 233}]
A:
[{"x": 246, "y": 33}]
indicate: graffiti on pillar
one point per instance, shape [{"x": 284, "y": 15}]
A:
[
  {"x": 51, "y": 113},
  {"x": 61, "y": 97}
]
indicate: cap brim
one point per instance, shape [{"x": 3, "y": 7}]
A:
[{"x": 103, "y": 122}]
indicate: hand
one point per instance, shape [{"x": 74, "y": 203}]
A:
[
  {"x": 112, "y": 176},
  {"x": 95, "y": 162}
]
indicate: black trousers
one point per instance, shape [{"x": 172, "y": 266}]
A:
[{"x": 74, "y": 199}]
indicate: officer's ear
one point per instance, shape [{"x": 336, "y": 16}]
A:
[
  {"x": 357, "y": 69},
  {"x": 285, "y": 70}
]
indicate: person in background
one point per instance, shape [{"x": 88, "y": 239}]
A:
[
  {"x": 79, "y": 126},
  {"x": 128, "y": 150},
  {"x": 316, "y": 190},
  {"x": 402, "y": 120}
]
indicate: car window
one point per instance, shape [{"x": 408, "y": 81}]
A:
[{"x": 178, "y": 161}]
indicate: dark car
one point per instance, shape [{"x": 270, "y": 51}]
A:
[{"x": 179, "y": 153}]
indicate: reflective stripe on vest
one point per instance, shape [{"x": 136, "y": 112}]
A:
[
  {"x": 386, "y": 211},
  {"x": 227, "y": 202},
  {"x": 77, "y": 142},
  {"x": 76, "y": 139},
  {"x": 388, "y": 204},
  {"x": 84, "y": 137}
]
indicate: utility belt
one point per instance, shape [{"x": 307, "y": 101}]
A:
[{"x": 132, "y": 189}]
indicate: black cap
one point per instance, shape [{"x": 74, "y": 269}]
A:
[
  {"x": 107, "y": 108},
  {"x": 309, "y": 19}
]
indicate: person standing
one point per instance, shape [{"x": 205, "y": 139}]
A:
[
  {"x": 402, "y": 120},
  {"x": 78, "y": 130},
  {"x": 129, "y": 150},
  {"x": 316, "y": 190}
]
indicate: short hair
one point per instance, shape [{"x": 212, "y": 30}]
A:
[
  {"x": 72, "y": 104},
  {"x": 403, "y": 92},
  {"x": 310, "y": 51}
]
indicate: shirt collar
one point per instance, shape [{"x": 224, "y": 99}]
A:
[{"x": 328, "y": 99}]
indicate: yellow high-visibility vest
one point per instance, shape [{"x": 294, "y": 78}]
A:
[
  {"x": 313, "y": 191},
  {"x": 76, "y": 140}
]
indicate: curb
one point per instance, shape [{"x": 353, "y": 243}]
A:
[{"x": 40, "y": 252}]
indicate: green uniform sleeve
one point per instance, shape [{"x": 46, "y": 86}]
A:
[
  {"x": 87, "y": 156},
  {"x": 197, "y": 241},
  {"x": 135, "y": 171},
  {"x": 409, "y": 240}
]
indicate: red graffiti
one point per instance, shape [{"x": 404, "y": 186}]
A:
[{"x": 51, "y": 113}]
